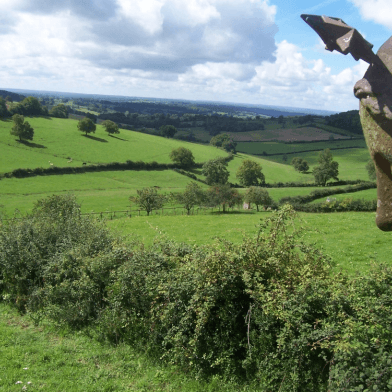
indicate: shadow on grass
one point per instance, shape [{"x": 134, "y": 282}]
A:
[
  {"x": 31, "y": 144},
  {"x": 5, "y": 119},
  {"x": 196, "y": 171},
  {"x": 119, "y": 138},
  {"x": 98, "y": 139}
]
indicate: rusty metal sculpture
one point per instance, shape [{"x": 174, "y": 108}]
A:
[{"x": 374, "y": 91}]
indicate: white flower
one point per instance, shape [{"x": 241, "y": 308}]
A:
[
  {"x": 25, "y": 368},
  {"x": 19, "y": 382}
]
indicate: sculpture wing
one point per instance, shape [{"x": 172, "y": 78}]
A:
[{"x": 337, "y": 35}]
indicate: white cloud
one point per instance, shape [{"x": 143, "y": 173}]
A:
[{"x": 379, "y": 11}]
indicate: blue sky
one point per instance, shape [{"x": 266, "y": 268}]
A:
[{"x": 244, "y": 51}]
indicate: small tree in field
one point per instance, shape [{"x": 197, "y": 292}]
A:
[
  {"x": 183, "y": 157},
  {"x": 328, "y": 168},
  {"x": 300, "y": 164},
  {"x": 148, "y": 199},
  {"x": 249, "y": 173},
  {"x": 110, "y": 127},
  {"x": 223, "y": 195},
  {"x": 21, "y": 128},
  {"x": 192, "y": 196},
  {"x": 86, "y": 125},
  {"x": 216, "y": 171},
  {"x": 258, "y": 196}
]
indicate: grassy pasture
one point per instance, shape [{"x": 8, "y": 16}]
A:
[
  {"x": 57, "y": 360},
  {"x": 368, "y": 194},
  {"x": 350, "y": 238},
  {"x": 99, "y": 191},
  {"x": 57, "y": 139},
  {"x": 257, "y": 148}
]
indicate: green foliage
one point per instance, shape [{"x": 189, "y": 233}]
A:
[
  {"x": 21, "y": 128},
  {"x": 300, "y": 164},
  {"x": 86, "y": 125},
  {"x": 327, "y": 169},
  {"x": 110, "y": 127},
  {"x": 168, "y": 130},
  {"x": 224, "y": 141},
  {"x": 193, "y": 195},
  {"x": 371, "y": 169},
  {"x": 249, "y": 173},
  {"x": 216, "y": 171},
  {"x": 258, "y": 196},
  {"x": 148, "y": 199},
  {"x": 3, "y": 108},
  {"x": 183, "y": 157},
  {"x": 30, "y": 106},
  {"x": 223, "y": 195},
  {"x": 60, "y": 111}
]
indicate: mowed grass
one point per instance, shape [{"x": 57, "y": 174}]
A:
[
  {"x": 99, "y": 191},
  {"x": 351, "y": 239},
  {"x": 56, "y": 140},
  {"x": 46, "y": 359}
]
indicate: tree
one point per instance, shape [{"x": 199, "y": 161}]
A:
[
  {"x": 60, "y": 111},
  {"x": 193, "y": 195},
  {"x": 300, "y": 164},
  {"x": 168, "y": 130},
  {"x": 86, "y": 125},
  {"x": 371, "y": 169},
  {"x": 29, "y": 106},
  {"x": 328, "y": 168},
  {"x": 215, "y": 171},
  {"x": 222, "y": 194},
  {"x": 3, "y": 108},
  {"x": 21, "y": 128},
  {"x": 224, "y": 141},
  {"x": 148, "y": 199},
  {"x": 183, "y": 157},
  {"x": 110, "y": 127},
  {"x": 249, "y": 173},
  {"x": 258, "y": 196}
]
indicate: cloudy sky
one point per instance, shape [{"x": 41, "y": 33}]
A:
[{"x": 245, "y": 51}]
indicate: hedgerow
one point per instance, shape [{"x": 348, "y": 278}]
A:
[{"x": 268, "y": 311}]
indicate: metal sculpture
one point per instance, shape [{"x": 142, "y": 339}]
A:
[{"x": 374, "y": 91}]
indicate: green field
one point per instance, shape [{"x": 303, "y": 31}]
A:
[
  {"x": 257, "y": 148},
  {"x": 351, "y": 239},
  {"x": 56, "y": 140}
]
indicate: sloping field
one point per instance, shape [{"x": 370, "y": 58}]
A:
[
  {"x": 56, "y": 140},
  {"x": 99, "y": 191},
  {"x": 257, "y": 148},
  {"x": 285, "y": 135}
]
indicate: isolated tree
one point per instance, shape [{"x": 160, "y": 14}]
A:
[
  {"x": 86, "y": 125},
  {"x": 224, "y": 141},
  {"x": 60, "y": 111},
  {"x": 192, "y": 196},
  {"x": 258, "y": 196},
  {"x": 371, "y": 169},
  {"x": 148, "y": 199},
  {"x": 110, "y": 127},
  {"x": 168, "y": 130},
  {"x": 327, "y": 169},
  {"x": 222, "y": 194},
  {"x": 300, "y": 164},
  {"x": 215, "y": 171},
  {"x": 183, "y": 157},
  {"x": 21, "y": 128},
  {"x": 249, "y": 173}
]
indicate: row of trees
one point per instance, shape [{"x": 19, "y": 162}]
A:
[
  {"x": 148, "y": 199},
  {"x": 87, "y": 126}
]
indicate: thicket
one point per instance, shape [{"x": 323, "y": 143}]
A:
[{"x": 267, "y": 311}]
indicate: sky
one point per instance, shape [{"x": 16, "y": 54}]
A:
[{"x": 242, "y": 51}]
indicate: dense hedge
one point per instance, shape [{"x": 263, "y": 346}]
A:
[
  {"x": 324, "y": 192},
  {"x": 128, "y": 165},
  {"x": 267, "y": 311}
]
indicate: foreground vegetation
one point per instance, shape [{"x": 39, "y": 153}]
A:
[{"x": 268, "y": 310}]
